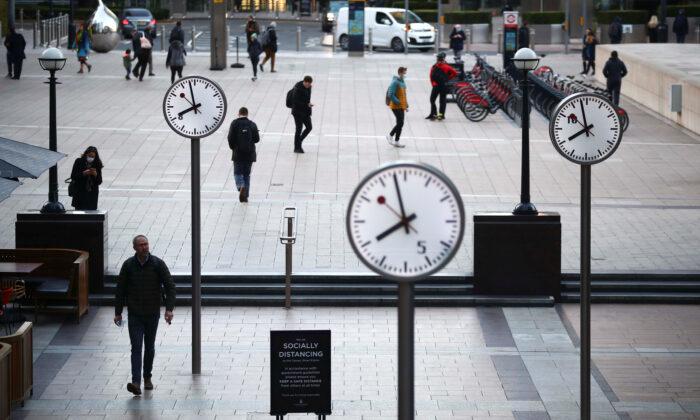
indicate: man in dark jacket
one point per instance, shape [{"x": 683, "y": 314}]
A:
[
  {"x": 615, "y": 31},
  {"x": 680, "y": 26},
  {"x": 136, "y": 48},
  {"x": 440, "y": 74},
  {"x": 142, "y": 280},
  {"x": 301, "y": 111},
  {"x": 14, "y": 42},
  {"x": 524, "y": 36},
  {"x": 151, "y": 35},
  {"x": 243, "y": 134},
  {"x": 614, "y": 71},
  {"x": 177, "y": 33},
  {"x": 457, "y": 37}
]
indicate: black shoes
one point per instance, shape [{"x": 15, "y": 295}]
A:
[
  {"x": 430, "y": 117},
  {"x": 133, "y": 388},
  {"x": 243, "y": 195},
  {"x": 299, "y": 150},
  {"x": 147, "y": 384},
  {"x": 261, "y": 68}
]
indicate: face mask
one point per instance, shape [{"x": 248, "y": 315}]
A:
[{"x": 90, "y": 159}]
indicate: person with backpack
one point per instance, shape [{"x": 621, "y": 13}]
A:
[
  {"x": 268, "y": 40},
  {"x": 440, "y": 74},
  {"x": 397, "y": 102},
  {"x": 254, "y": 51},
  {"x": 151, "y": 35},
  {"x": 299, "y": 100},
  {"x": 15, "y": 44},
  {"x": 175, "y": 59},
  {"x": 615, "y": 30},
  {"x": 614, "y": 71},
  {"x": 243, "y": 134}
]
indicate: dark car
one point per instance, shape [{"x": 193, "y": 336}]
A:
[{"x": 139, "y": 19}]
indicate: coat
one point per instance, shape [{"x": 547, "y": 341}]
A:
[
  {"x": 589, "y": 43},
  {"x": 254, "y": 50},
  {"x": 680, "y": 25},
  {"x": 87, "y": 187},
  {"x": 397, "y": 94},
  {"x": 176, "y": 54},
  {"x": 615, "y": 31},
  {"x": 236, "y": 139},
  {"x": 271, "y": 44},
  {"x": 136, "y": 44},
  {"x": 141, "y": 288},
  {"x": 457, "y": 38},
  {"x": 15, "y": 44},
  {"x": 177, "y": 34},
  {"x": 614, "y": 70},
  {"x": 301, "y": 100},
  {"x": 251, "y": 28},
  {"x": 445, "y": 68},
  {"x": 83, "y": 42}
]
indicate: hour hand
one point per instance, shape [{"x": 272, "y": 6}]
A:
[
  {"x": 185, "y": 111},
  {"x": 396, "y": 227},
  {"x": 578, "y": 133}
]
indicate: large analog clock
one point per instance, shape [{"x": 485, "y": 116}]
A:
[
  {"x": 194, "y": 106},
  {"x": 585, "y": 128},
  {"x": 405, "y": 220}
]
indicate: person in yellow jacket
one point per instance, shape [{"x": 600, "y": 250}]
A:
[{"x": 396, "y": 100}]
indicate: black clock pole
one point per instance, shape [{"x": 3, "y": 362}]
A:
[
  {"x": 406, "y": 332},
  {"x": 196, "y": 262},
  {"x": 585, "y": 292}
]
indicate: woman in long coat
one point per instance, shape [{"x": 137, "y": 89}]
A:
[{"x": 87, "y": 177}]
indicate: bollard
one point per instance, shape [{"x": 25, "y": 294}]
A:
[
  {"x": 500, "y": 41},
  {"x": 21, "y": 19},
  {"x": 298, "y": 38},
  {"x": 35, "y": 33},
  {"x": 532, "y": 39},
  {"x": 469, "y": 40},
  {"x": 369, "y": 36},
  {"x": 194, "y": 39},
  {"x": 162, "y": 37},
  {"x": 333, "y": 40},
  {"x": 697, "y": 34},
  {"x": 288, "y": 236}
]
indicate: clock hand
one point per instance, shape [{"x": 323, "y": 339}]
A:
[
  {"x": 192, "y": 108},
  {"x": 578, "y": 133},
  {"x": 398, "y": 193},
  {"x": 396, "y": 227},
  {"x": 585, "y": 123},
  {"x": 399, "y": 216},
  {"x": 192, "y": 95}
]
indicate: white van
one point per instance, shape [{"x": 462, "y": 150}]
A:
[{"x": 387, "y": 25}]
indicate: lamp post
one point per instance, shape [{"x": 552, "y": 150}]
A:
[
  {"x": 525, "y": 60},
  {"x": 52, "y": 60}
]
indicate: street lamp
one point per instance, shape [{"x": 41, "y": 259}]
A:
[
  {"x": 525, "y": 60},
  {"x": 52, "y": 60}
]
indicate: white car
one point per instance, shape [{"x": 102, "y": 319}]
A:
[{"x": 388, "y": 29}]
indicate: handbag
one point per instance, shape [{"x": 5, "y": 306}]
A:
[{"x": 72, "y": 187}]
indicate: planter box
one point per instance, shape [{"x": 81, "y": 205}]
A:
[
  {"x": 21, "y": 363},
  {"x": 5, "y": 405}
]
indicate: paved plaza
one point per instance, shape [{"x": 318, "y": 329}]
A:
[{"x": 646, "y": 214}]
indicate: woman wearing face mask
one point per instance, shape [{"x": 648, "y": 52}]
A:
[{"x": 87, "y": 176}]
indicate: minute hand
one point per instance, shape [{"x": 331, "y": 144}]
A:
[
  {"x": 398, "y": 193},
  {"x": 396, "y": 227},
  {"x": 585, "y": 123}
]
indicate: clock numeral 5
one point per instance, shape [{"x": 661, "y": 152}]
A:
[{"x": 421, "y": 247}]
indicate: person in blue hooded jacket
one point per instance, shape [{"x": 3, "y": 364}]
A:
[{"x": 397, "y": 102}]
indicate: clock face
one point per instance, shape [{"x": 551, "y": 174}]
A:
[
  {"x": 585, "y": 128},
  {"x": 194, "y": 106},
  {"x": 405, "y": 221}
]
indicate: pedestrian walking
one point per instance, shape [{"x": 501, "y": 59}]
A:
[
  {"x": 524, "y": 36},
  {"x": 653, "y": 29},
  {"x": 243, "y": 134},
  {"x": 299, "y": 99},
  {"x": 177, "y": 33},
  {"x": 136, "y": 47},
  {"x": 251, "y": 27},
  {"x": 615, "y": 30},
  {"x": 680, "y": 26},
  {"x": 457, "y": 37},
  {"x": 142, "y": 280},
  {"x": 151, "y": 36},
  {"x": 144, "y": 56},
  {"x": 126, "y": 60},
  {"x": 175, "y": 59},
  {"x": 614, "y": 71},
  {"x": 83, "y": 42},
  {"x": 268, "y": 40},
  {"x": 15, "y": 44},
  {"x": 254, "y": 51},
  {"x": 398, "y": 103},
  {"x": 440, "y": 74},
  {"x": 588, "y": 51},
  {"x": 86, "y": 177}
]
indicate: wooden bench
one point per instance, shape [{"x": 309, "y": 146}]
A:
[
  {"x": 21, "y": 363},
  {"x": 61, "y": 280}
]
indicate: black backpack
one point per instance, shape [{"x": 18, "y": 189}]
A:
[
  {"x": 290, "y": 97},
  {"x": 244, "y": 140},
  {"x": 439, "y": 76}
]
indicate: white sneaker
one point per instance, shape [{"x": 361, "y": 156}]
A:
[
  {"x": 399, "y": 145},
  {"x": 389, "y": 139}
]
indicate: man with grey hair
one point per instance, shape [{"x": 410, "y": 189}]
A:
[{"x": 143, "y": 279}]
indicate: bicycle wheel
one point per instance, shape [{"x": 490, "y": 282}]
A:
[
  {"x": 477, "y": 114},
  {"x": 624, "y": 119}
]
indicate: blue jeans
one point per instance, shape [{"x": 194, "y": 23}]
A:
[
  {"x": 241, "y": 174},
  {"x": 140, "y": 327}
]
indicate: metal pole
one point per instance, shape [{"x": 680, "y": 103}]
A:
[
  {"x": 567, "y": 27},
  {"x": 288, "y": 267},
  {"x": 333, "y": 36},
  {"x": 532, "y": 39},
  {"x": 21, "y": 19},
  {"x": 193, "y": 37},
  {"x": 585, "y": 292},
  {"x": 406, "y": 331},
  {"x": 525, "y": 207},
  {"x": 408, "y": 26},
  {"x": 500, "y": 41},
  {"x": 196, "y": 263},
  {"x": 53, "y": 206},
  {"x": 298, "y": 38},
  {"x": 162, "y": 37},
  {"x": 469, "y": 40},
  {"x": 35, "y": 34},
  {"x": 438, "y": 38},
  {"x": 371, "y": 47}
]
